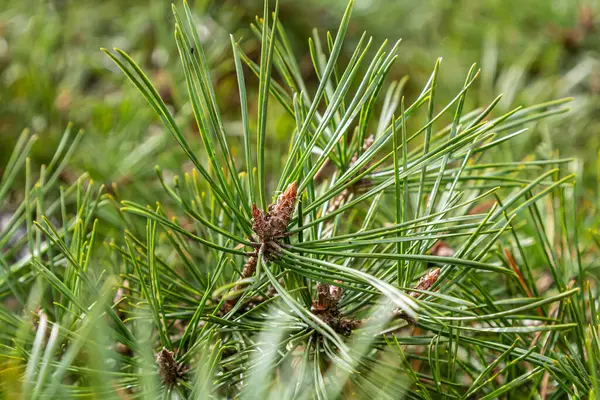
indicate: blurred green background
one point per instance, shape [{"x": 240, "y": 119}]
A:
[{"x": 52, "y": 70}]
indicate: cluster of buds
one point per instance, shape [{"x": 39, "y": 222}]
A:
[
  {"x": 269, "y": 227},
  {"x": 169, "y": 369},
  {"x": 326, "y": 307}
]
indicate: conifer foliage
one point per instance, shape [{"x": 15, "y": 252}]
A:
[{"x": 394, "y": 251}]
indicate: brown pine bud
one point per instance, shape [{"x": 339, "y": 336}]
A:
[
  {"x": 335, "y": 292},
  {"x": 282, "y": 211},
  {"x": 170, "y": 370},
  {"x": 260, "y": 224},
  {"x": 426, "y": 281}
]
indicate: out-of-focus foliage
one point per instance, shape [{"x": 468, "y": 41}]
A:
[{"x": 52, "y": 72}]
